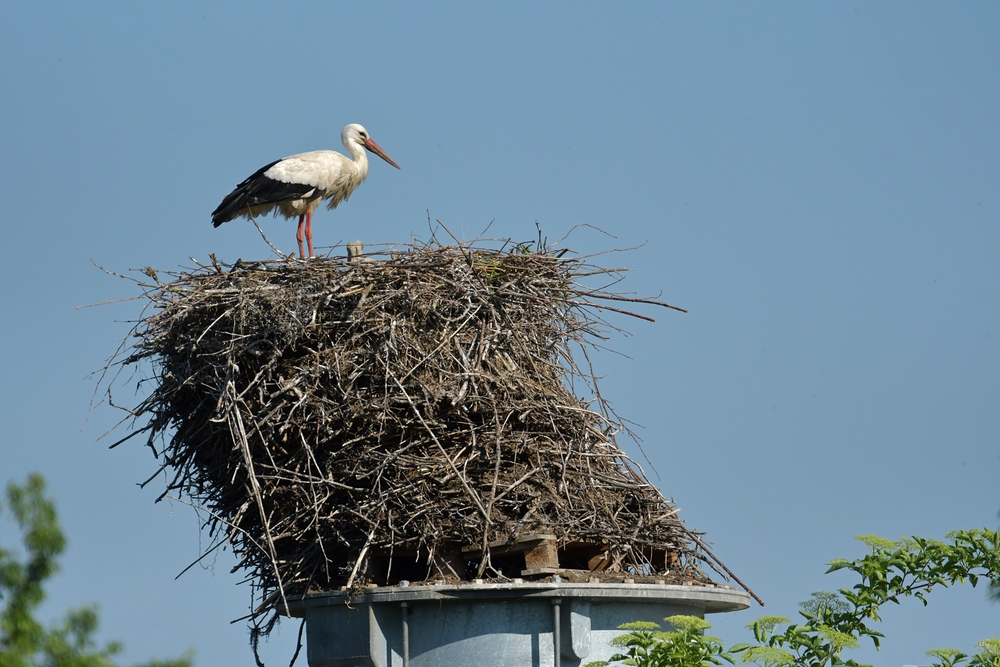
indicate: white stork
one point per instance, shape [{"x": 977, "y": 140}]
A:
[{"x": 297, "y": 184}]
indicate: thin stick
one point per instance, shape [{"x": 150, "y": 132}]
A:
[
  {"x": 472, "y": 494},
  {"x": 722, "y": 565},
  {"x": 270, "y": 245},
  {"x": 248, "y": 460}
]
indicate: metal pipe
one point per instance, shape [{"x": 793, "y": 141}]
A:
[
  {"x": 556, "y": 628},
  {"x": 404, "y": 608}
]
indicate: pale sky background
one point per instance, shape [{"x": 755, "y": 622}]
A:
[{"x": 818, "y": 183}]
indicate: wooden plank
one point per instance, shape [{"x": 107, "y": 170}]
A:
[
  {"x": 544, "y": 570},
  {"x": 543, "y": 554},
  {"x": 501, "y": 547},
  {"x": 599, "y": 562}
]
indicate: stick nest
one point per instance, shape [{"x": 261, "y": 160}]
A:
[{"x": 343, "y": 423}]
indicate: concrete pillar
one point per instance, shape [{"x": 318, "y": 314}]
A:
[{"x": 508, "y": 624}]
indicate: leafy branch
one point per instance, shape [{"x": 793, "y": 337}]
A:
[
  {"x": 648, "y": 646},
  {"x": 833, "y": 622},
  {"x": 24, "y": 642}
]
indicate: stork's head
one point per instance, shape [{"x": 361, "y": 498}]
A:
[{"x": 357, "y": 135}]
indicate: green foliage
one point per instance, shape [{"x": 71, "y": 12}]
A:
[
  {"x": 821, "y": 602},
  {"x": 686, "y": 646},
  {"x": 989, "y": 656},
  {"x": 766, "y": 656},
  {"x": 24, "y": 642},
  {"x": 947, "y": 657},
  {"x": 833, "y": 622}
]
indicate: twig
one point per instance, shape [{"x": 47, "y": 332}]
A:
[{"x": 269, "y": 244}]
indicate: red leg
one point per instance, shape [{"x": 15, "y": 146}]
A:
[
  {"x": 298, "y": 236},
  {"x": 309, "y": 232}
]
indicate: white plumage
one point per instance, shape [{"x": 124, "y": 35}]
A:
[{"x": 295, "y": 185}]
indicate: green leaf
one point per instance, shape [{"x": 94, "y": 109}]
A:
[{"x": 838, "y": 564}]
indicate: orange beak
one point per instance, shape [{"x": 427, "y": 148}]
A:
[{"x": 375, "y": 148}]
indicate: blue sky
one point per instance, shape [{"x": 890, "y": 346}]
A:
[{"x": 817, "y": 183}]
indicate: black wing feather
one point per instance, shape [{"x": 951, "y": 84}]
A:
[{"x": 256, "y": 190}]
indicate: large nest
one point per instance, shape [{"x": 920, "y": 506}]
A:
[{"x": 414, "y": 416}]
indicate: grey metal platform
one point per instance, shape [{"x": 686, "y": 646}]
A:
[{"x": 508, "y": 624}]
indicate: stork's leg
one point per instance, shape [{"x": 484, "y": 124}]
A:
[
  {"x": 298, "y": 237},
  {"x": 309, "y": 232}
]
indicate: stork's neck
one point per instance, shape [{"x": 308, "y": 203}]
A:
[{"x": 360, "y": 156}]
